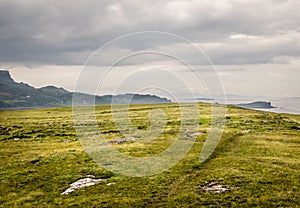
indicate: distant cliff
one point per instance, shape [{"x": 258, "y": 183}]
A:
[
  {"x": 257, "y": 104},
  {"x": 21, "y": 95}
]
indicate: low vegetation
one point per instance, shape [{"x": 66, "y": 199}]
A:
[{"x": 257, "y": 160}]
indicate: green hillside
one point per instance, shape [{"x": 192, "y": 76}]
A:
[
  {"x": 21, "y": 95},
  {"x": 257, "y": 159}
]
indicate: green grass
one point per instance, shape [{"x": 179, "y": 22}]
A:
[{"x": 262, "y": 166}]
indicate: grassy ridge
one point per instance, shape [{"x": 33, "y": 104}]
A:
[{"x": 258, "y": 157}]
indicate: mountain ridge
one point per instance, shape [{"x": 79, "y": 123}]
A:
[{"x": 21, "y": 95}]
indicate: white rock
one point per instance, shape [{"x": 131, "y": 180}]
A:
[
  {"x": 214, "y": 187},
  {"x": 196, "y": 134},
  {"x": 122, "y": 140},
  {"x": 192, "y": 135},
  {"x": 81, "y": 184}
]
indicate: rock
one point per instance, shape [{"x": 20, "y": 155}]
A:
[
  {"x": 214, "y": 187},
  {"x": 247, "y": 121},
  {"x": 35, "y": 161},
  {"x": 81, "y": 184},
  {"x": 110, "y": 183},
  {"x": 246, "y": 131},
  {"x": 192, "y": 135},
  {"x": 5, "y": 77},
  {"x": 16, "y": 139},
  {"x": 122, "y": 140},
  {"x": 196, "y": 134}
]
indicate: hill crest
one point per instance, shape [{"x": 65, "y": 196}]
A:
[{"x": 22, "y": 95}]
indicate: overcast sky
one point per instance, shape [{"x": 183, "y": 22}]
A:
[{"x": 253, "y": 44}]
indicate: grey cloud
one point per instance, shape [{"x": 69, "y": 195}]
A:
[{"x": 65, "y": 32}]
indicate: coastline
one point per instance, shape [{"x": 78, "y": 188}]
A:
[
  {"x": 278, "y": 110},
  {"x": 279, "y": 106}
]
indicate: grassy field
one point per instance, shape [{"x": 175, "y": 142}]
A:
[{"x": 258, "y": 157}]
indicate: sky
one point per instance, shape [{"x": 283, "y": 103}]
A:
[{"x": 196, "y": 48}]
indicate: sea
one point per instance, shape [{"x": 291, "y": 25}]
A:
[
  {"x": 281, "y": 106},
  {"x": 290, "y": 107}
]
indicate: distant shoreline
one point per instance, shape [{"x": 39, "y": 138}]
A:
[
  {"x": 287, "y": 107},
  {"x": 276, "y": 109}
]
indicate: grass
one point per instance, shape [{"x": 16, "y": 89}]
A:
[{"x": 261, "y": 165}]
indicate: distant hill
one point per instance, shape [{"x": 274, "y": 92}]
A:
[
  {"x": 54, "y": 90},
  {"x": 21, "y": 95},
  {"x": 257, "y": 104}
]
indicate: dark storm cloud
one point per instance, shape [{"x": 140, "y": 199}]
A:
[{"x": 66, "y": 33}]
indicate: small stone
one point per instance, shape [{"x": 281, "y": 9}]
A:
[
  {"x": 16, "y": 139},
  {"x": 196, "y": 134},
  {"x": 247, "y": 121},
  {"x": 122, "y": 140},
  {"x": 192, "y": 135},
  {"x": 246, "y": 131}
]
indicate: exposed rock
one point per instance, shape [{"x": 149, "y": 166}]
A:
[
  {"x": 16, "y": 139},
  {"x": 110, "y": 183},
  {"x": 246, "y": 131},
  {"x": 192, "y": 135},
  {"x": 122, "y": 140},
  {"x": 5, "y": 77},
  {"x": 247, "y": 121},
  {"x": 81, "y": 184},
  {"x": 214, "y": 187},
  {"x": 196, "y": 134}
]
